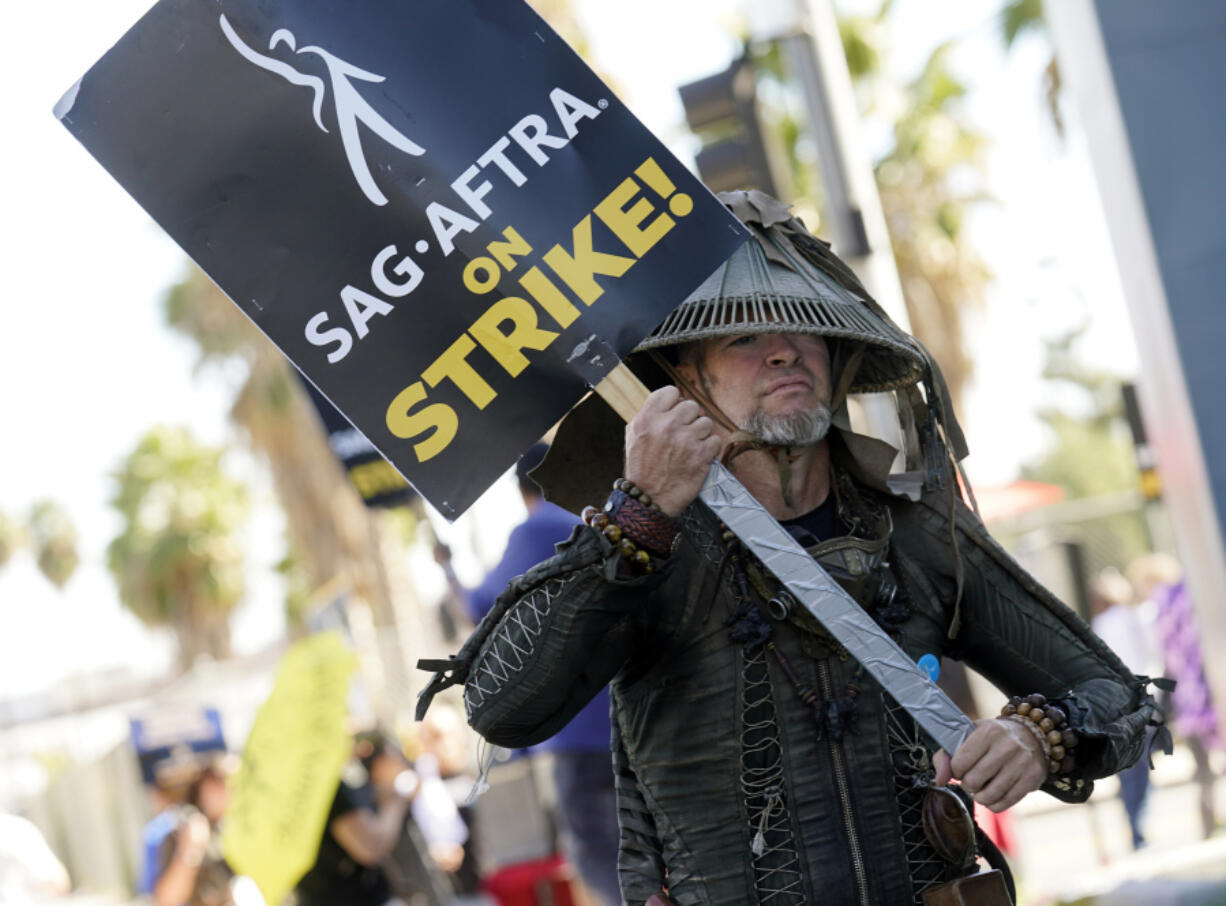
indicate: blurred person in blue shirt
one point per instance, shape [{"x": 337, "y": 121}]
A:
[
  {"x": 582, "y": 762},
  {"x": 183, "y": 862}
]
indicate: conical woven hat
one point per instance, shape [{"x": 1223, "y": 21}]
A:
[{"x": 784, "y": 280}]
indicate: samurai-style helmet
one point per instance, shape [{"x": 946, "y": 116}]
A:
[{"x": 784, "y": 280}]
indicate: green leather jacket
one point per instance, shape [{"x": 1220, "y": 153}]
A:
[{"x": 732, "y": 788}]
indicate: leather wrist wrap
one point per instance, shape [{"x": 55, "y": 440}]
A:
[{"x": 645, "y": 526}]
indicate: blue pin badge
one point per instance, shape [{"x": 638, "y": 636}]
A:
[{"x": 931, "y": 665}]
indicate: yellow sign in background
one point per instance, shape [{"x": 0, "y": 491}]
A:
[{"x": 291, "y": 766}]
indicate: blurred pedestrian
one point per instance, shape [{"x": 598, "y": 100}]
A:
[
  {"x": 191, "y": 868},
  {"x": 442, "y": 737},
  {"x": 168, "y": 795},
  {"x": 1115, "y": 619},
  {"x": 582, "y": 760},
  {"x": 364, "y": 824},
  {"x": 181, "y": 751},
  {"x": 1158, "y": 579}
]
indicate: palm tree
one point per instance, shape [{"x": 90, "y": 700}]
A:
[
  {"x": 50, "y": 534},
  {"x": 326, "y": 521},
  {"x": 332, "y": 536},
  {"x": 927, "y": 181},
  {"x": 942, "y": 274},
  {"x": 1018, "y": 17},
  {"x": 176, "y": 561}
]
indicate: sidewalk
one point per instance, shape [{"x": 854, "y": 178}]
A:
[{"x": 1081, "y": 854}]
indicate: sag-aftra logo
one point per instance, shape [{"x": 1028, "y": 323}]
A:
[{"x": 351, "y": 107}]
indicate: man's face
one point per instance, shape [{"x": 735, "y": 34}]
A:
[{"x": 775, "y": 385}]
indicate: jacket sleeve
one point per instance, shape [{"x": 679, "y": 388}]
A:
[
  {"x": 555, "y": 637},
  {"x": 640, "y": 856},
  {"x": 1024, "y": 640}
]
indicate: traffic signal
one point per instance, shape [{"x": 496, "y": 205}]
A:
[
  {"x": 1151, "y": 483},
  {"x": 722, "y": 110}
]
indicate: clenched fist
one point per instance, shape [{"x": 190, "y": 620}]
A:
[
  {"x": 669, "y": 448},
  {"x": 1000, "y": 762}
]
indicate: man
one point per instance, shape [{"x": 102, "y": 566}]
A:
[
  {"x": 364, "y": 825},
  {"x": 582, "y": 769},
  {"x": 756, "y": 761}
]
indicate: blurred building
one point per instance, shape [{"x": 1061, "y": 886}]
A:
[{"x": 1146, "y": 79}]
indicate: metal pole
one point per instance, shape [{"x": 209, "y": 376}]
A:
[{"x": 814, "y": 51}]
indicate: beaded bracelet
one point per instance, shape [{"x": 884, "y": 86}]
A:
[
  {"x": 633, "y": 554},
  {"x": 636, "y": 524},
  {"x": 1049, "y": 724},
  {"x": 641, "y": 518}
]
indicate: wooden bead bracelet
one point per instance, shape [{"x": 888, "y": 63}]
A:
[
  {"x": 636, "y": 524},
  {"x": 1049, "y": 724}
]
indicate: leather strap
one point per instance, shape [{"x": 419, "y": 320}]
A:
[{"x": 694, "y": 393}]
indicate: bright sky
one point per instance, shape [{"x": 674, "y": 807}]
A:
[
  {"x": 88, "y": 367},
  {"x": 1044, "y": 238}
]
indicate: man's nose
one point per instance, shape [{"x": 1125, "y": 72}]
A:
[{"x": 782, "y": 350}]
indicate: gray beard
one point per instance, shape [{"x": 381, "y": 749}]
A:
[{"x": 799, "y": 429}]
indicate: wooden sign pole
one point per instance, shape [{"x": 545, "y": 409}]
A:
[{"x": 622, "y": 390}]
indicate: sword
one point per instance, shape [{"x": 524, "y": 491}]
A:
[
  {"x": 811, "y": 585},
  {"x": 835, "y": 609}
]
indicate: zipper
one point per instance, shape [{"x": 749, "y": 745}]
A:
[{"x": 840, "y": 779}]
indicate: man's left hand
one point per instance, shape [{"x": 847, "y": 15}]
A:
[{"x": 999, "y": 763}]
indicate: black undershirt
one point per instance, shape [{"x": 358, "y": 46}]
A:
[{"x": 817, "y": 525}]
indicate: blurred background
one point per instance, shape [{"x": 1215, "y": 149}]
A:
[{"x": 1031, "y": 187}]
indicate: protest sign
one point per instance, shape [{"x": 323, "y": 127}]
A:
[
  {"x": 175, "y": 743},
  {"x": 291, "y": 767},
  {"x": 374, "y": 478},
  {"x": 445, "y": 220}
]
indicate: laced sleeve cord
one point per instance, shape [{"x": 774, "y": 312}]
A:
[{"x": 552, "y": 643}]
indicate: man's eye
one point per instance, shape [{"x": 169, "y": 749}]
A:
[{"x": 743, "y": 340}]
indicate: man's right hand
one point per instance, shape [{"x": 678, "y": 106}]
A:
[{"x": 669, "y": 448}]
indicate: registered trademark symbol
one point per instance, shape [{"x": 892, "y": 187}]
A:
[{"x": 602, "y": 103}]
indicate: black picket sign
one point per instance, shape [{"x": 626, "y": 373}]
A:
[
  {"x": 374, "y": 478},
  {"x": 431, "y": 208}
]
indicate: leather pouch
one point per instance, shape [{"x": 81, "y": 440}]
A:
[
  {"x": 949, "y": 827},
  {"x": 984, "y": 889}
]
